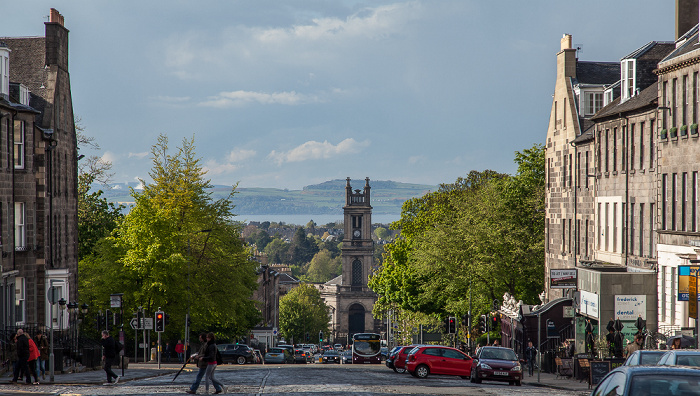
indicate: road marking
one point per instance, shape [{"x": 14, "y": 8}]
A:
[{"x": 262, "y": 384}]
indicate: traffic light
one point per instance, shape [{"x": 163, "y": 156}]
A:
[
  {"x": 465, "y": 320},
  {"x": 452, "y": 325},
  {"x": 167, "y": 319},
  {"x": 307, "y": 337},
  {"x": 482, "y": 324},
  {"x": 320, "y": 336},
  {"x": 160, "y": 321},
  {"x": 494, "y": 321}
]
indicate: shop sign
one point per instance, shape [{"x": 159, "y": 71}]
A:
[
  {"x": 562, "y": 278},
  {"x": 685, "y": 274},
  {"x": 589, "y": 304},
  {"x": 630, "y": 307}
]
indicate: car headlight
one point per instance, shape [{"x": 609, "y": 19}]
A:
[
  {"x": 517, "y": 367},
  {"x": 485, "y": 366}
]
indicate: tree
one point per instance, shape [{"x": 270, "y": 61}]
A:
[
  {"x": 277, "y": 251},
  {"x": 323, "y": 267},
  {"x": 302, "y": 311},
  {"x": 302, "y": 248},
  {"x": 381, "y": 232},
  {"x": 178, "y": 249}
]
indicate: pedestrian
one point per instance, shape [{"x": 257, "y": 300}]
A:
[
  {"x": 676, "y": 344},
  {"x": 34, "y": 355},
  {"x": 43, "y": 343},
  {"x": 211, "y": 359},
  {"x": 495, "y": 343},
  {"x": 180, "y": 350},
  {"x": 167, "y": 352},
  {"x": 22, "y": 357},
  {"x": 201, "y": 364},
  {"x": 530, "y": 357},
  {"x": 634, "y": 346},
  {"x": 12, "y": 346},
  {"x": 109, "y": 353}
]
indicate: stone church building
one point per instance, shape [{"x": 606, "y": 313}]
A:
[{"x": 350, "y": 298}]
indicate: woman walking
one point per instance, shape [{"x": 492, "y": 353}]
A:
[{"x": 210, "y": 359}]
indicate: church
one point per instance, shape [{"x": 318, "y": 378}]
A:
[{"x": 348, "y": 295}]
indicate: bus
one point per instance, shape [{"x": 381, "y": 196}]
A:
[{"x": 366, "y": 348}]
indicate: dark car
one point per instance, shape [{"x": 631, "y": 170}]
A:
[
  {"x": 644, "y": 357},
  {"x": 400, "y": 359},
  {"x": 496, "y": 364},
  {"x": 331, "y": 357},
  {"x": 300, "y": 356},
  {"x": 680, "y": 357},
  {"x": 425, "y": 360},
  {"x": 391, "y": 355},
  {"x": 383, "y": 352},
  {"x": 236, "y": 353},
  {"x": 278, "y": 355},
  {"x": 346, "y": 357},
  {"x": 650, "y": 380}
]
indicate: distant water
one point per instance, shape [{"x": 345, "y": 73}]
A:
[{"x": 318, "y": 219}]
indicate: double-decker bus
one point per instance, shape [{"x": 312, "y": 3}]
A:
[{"x": 366, "y": 348}]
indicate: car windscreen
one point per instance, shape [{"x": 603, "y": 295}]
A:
[
  {"x": 688, "y": 360},
  {"x": 276, "y": 350},
  {"x": 498, "y": 354},
  {"x": 650, "y": 358},
  {"x": 330, "y": 353},
  {"x": 665, "y": 384}
]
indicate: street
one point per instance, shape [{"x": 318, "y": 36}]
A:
[{"x": 314, "y": 379}]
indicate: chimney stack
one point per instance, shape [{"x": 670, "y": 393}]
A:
[
  {"x": 686, "y": 16},
  {"x": 56, "y": 17}
]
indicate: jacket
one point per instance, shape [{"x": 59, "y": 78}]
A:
[
  {"x": 109, "y": 348},
  {"x": 200, "y": 356},
  {"x": 23, "y": 347},
  {"x": 43, "y": 344},
  {"x": 210, "y": 354},
  {"x": 33, "y": 351}
]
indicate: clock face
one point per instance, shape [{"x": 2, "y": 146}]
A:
[{"x": 356, "y": 233}]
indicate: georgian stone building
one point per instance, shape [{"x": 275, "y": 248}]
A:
[{"x": 38, "y": 172}]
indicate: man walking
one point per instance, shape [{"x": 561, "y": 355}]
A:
[
  {"x": 531, "y": 357},
  {"x": 109, "y": 352},
  {"x": 22, "y": 357},
  {"x": 200, "y": 363}
]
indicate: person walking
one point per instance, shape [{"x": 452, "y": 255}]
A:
[
  {"x": 211, "y": 359},
  {"x": 109, "y": 352},
  {"x": 12, "y": 346},
  {"x": 180, "y": 350},
  {"x": 43, "y": 343},
  {"x": 634, "y": 346},
  {"x": 167, "y": 352},
  {"x": 531, "y": 357},
  {"x": 201, "y": 364},
  {"x": 22, "y": 357},
  {"x": 34, "y": 355}
]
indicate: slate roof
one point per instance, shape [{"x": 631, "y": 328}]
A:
[
  {"x": 335, "y": 281},
  {"x": 690, "y": 44},
  {"x": 27, "y": 61},
  {"x": 597, "y": 72},
  {"x": 648, "y": 97},
  {"x": 653, "y": 50}
]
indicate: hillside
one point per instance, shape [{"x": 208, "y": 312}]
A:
[{"x": 324, "y": 198}]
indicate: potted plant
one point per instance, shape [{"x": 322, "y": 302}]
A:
[
  {"x": 694, "y": 129},
  {"x": 674, "y": 132},
  {"x": 664, "y": 134},
  {"x": 684, "y": 130}
]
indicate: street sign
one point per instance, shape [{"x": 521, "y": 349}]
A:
[
  {"x": 115, "y": 300},
  {"x": 52, "y": 295},
  {"x": 148, "y": 325}
]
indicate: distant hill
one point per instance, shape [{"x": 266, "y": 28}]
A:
[{"x": 324, "y": 198}]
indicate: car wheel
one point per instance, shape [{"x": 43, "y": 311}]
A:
[
  {"x": 400, "y": 370},
  {"x": 464, "y": 377},
  {"x": 422, "y": 371},
  {"x": 240, "y": 360},
  {"x": 518, "y": 383},
  {"x": 413, "y": 373},
  {"x": 474, "y": 377}
]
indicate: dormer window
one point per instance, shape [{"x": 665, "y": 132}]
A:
[
  {"x": 23, "y": 95},
  {"x": 628, "y": 78},
  {"x": 594, "y": 102},
  {"x": 4, "y": 71}
]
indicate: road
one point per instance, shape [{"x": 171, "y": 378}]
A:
[{"x": 290, "y": 380}]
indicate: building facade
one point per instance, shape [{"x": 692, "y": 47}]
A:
[{"x": 38, "y": 198}]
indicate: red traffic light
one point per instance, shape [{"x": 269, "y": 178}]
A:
[{"x": 159, "y": 316}]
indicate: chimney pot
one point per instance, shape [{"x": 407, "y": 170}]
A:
[{"x": 566, "y": 42}]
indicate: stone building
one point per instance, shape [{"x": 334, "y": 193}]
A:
[
  {"x": 349, "y": 296},
  {"x": 38, "y": 198}
]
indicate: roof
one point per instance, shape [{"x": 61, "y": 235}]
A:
[
  {"x": 686, "y": 43},
  {"x": 597, "y": 72},
  {"x": 648, "y": 97},
  {"x": 27, "y": 66},
  {"x": 654, "y": 50},
  {"x": 286, "y": 278},
  {"x": 335, "y": 281}
]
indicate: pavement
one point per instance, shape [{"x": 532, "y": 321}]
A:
[{"x": 138, "y": 371}]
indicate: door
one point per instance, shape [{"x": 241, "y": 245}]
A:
[{"x": 455, "y": 363}]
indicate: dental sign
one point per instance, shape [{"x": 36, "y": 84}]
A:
[{"x": 629, "y": 307}]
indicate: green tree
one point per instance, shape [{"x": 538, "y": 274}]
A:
[
  {"x": 381, "y": 232},
  {"x": 178, "y": 249},
  {"x": 302, "y": 248},
  {"x": 302, "y": 311},
  {"x": 277, "y": 251},
  {"x": 323, "y": 267}
]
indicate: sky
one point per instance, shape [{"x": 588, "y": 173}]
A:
[{"x": 284, "y": 94}]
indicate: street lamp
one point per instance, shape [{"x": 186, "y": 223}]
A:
[
  {"x": 72, "y": 320},
  {"x": 62, "y": 306},
  {"x": 189, "y": 270}
]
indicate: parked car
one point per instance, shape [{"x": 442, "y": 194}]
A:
[
  {"x": 300, "y": 356},
  {"x": 331, "y": 357},
  {"x": 236, "y": 353},
  {"x": 391, "y": 355},
  {"x": 346, "y": 357},
  {"x": 278, "y": 355},
  {"x": 650, "y": 380},
  {"x": 383, "y": 351},
  {"x": 338, "y": 347},
  {"x": 680, "y": 357},
  {"x": 429, "y": 359},
  {"x": 289, "y": 348},
  {"x": 400, "y": 359},
  {"x": 644, "y": 357},
  {"x": 496, "y": 364}
]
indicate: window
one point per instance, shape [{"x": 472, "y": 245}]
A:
[
  {"x": 563, "y": 112},
  {"x": 600, "y": 229},
  {"x": 20, "y": 237},
  {"x": 563, "y": 235},
  {"x": 695, "y": 98},
  {"x": 23, "y": 95},
  {"x": 628, "y": 82},
  {"x": 641, "y": 229},
  {"x": 570, "y": 170},
  {"x": 607, "y": 226},
  {"x": 664, "y": 197},
  {"x": 578, "y": 169},
  {"x": 614, "y": 233},
  {"x": 674, "y": 103},
  {"x": 684, "y": 101},
  {"x": 586, "y": 170},
  {"x": 568, "y": 246},
  {"x": 563, "y": 179},
  {"x": 632, "y": 146},
  {"x": 652, "y": 246},
  {"x": 664, "y": 98},
  {"x": 607, "y": 150},
  {"x": 694, "y": 203},
  {"x": 20, "y": 302},
  {"x": 594, "y": 102},
  {"x": 631, "y": 247},
  {"x": 599, "y": 147},
  {"x": 19, "y": 144},
  {"x": 684, "y": 198},
  {"x": 357, "y": 273},
  {"x": 674, "y": 200},
  {"x": 585, "y": 245},
  {"x": 641, "y": 145},
  {"x": 614, "y": 153},
  {"x": 623, "y": 156},
  {"x": 577, "y": 244},
  {"x": 4, "y": 71},
  {"x": 652, "y": 154}
]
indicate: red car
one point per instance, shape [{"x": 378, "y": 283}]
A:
[
  {"x": 436, "y": 359},
  {"x": 496, "y": 364},
  {"x": 400, "y": 359}
]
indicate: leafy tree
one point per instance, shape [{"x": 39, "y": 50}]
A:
[
  {"x": 381, "y": 232},
  {"x": 323, "y": 267},
  {"x": 277, "y": 251},
  {"x": 302, "y": 311},
  {"x": 178, "y": 249},
  {"x": 302, "y": 249},
  {"x": 260, "y": 239}
]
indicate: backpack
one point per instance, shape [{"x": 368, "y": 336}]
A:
[{"x": 219, "y": 359}]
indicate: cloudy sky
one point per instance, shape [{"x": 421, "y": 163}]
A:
[{"x": 289, "y": 93}]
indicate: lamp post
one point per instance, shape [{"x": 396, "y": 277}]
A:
[
  {"x": 189, "y": 271},
  {"x": 62, "y": 306},
  {"x": 72, "y": 308},
  {"x": 52, "y": 301},
  {"x": 84, "y": 309}
]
